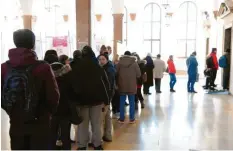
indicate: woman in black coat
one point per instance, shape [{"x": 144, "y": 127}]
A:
[{"x": 149, "y": 71}]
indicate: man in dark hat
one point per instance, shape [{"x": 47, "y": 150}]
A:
[{"x": 29, "y": 132}]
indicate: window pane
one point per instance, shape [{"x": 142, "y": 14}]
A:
[
  {"x": 181, "y": 31},
  {"x": 147, "y": 13},
  {"x": 191, "y": 46},
  {"x": 156, "y": 14},
  {"x": 181, "y": 48},
  {"x": 191, "y": 30},
  {"x": 192, "y": 11},
  {"x": 124, "y": 30},
  {"x": 147, "y": 30},
  {"x": 183, "y": 12},
  {"x": 147, "y": 46},
  {"x": 156, "y": 30},
  {"x": 155, "y": 48}
]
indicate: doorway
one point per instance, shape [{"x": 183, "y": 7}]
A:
[{"x": 227, "y": 52}]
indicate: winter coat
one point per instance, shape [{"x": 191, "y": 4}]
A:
[
  {"x": 46, "y": 86},
  {"x": 127, "y": 73},
  {"x": 111, "y": 73},
  {"x": 171, "y": 66},
  {"x": 159, "y": 69},
  {"x": 149, "y": 71},
  {"x": 90, "y": 82},
  {"x": 227, "y": 69},
  {"x": 141, "y": 64},
  {"x": 192, "y": 64},
  {"x": 61, "y": 73},
  {"x": 212, "y": 61}
]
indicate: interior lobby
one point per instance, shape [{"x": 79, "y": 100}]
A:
[{"x": 173, "y": 121}]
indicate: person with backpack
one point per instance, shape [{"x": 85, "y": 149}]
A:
[
  {"x": 127, "y": 73},
  {"x": 212, "y": 68},
  {"x": 91, "y": 86},
  {"x": 61, "y": 119},
  {"x": 192, "y": 65},
  {"x": 30, "y": 94},
  {"x": 111, "y": 73},
  {"x": 225, "y": 62},
  {"x": 172, "y": 73}
]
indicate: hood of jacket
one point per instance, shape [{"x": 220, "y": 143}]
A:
[
  {"x": 60, "y": 69},
  {"x": 21, "y": 57},
  {"x": 127, "y": 61}
]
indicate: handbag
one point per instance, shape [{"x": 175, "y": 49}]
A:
[
  {"x": 197, "y": 77},
  {"x": 75, "y": 117}
]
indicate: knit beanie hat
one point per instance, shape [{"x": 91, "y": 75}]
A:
[{"x": 24, "y": 38}]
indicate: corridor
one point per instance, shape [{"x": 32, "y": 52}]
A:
[{"x": 172, "y": 121}]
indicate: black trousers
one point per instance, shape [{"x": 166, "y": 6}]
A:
[
  {"x": 146, "y": 88},
  {"x": 36, "y": 138},
  {"x": 138, "y": 96},
  {"x": 157, "y": 84},
  {"x": 116, "y": 102},
  {"x": 211, "y": 79},
  {"x": 60, "y": 128}
]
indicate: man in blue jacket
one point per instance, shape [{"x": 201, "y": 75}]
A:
[{"x": 192, "y": 64}]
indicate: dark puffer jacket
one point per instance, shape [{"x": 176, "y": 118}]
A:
[
  {"x": 141, "y": 64},
  {"x": 90, "y": 81},
  {"x": 61, "y": 73}
]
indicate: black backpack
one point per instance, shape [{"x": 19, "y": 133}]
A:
[{"x": 19, "y": 92}]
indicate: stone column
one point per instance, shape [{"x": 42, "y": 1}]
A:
[
  {"x": 27, "y": 22},
  {"x": 117, "y": 32},
  {"x": 83, "y": 22}
]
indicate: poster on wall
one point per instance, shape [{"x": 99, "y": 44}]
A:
[{"x": 60, "y": 44}]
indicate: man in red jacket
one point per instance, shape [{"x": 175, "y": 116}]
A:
[
  {"x": 212, "y": 65},
  {"x": 172, "y": 73},
  {"x": 33, "y": 135}
]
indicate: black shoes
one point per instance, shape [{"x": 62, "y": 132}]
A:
[
  {"x": 142, "y": 105},
  {"x": 158, "y": 91},
  {"x": 172, "y": 90},
  {"x": 98, "y": 148}
]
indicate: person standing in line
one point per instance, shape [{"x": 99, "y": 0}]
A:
[
  {"x": 140, "y": 81},
  {"x": 31, "y": 114},
  {"x": 192, "y": 65},
  {"x": 61, "y": 119},
  {"x": 111, "y": 73},
  {"x": 226, "y": 71},
  {"x": 91, "y": 86},
  {"x": 172, "y": 73},
  {"x": 109, "y": 49},
  {"x": 212, "y": 66},
  {"x": 127, "y": 73},
  {"x": 64, "y": 59},
  {"x": 160, "y": 68},
  {"x": 149, "y": 71}
]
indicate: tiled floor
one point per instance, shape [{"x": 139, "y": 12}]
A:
[{"x": 172, "y": 121}]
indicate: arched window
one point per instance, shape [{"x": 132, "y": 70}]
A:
[
  {"x": 186, "y": 28},
  {"x": 125, "y": 26},
  {"x": 152, "y": 28}
]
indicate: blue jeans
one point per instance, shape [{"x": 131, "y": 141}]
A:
[
  {"x": 191, "y": 82},
  {"x": 131, "y": 107},
  {"x": 172, "y": 80}
]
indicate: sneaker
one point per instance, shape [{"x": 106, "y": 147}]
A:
[
  {"x": 121, "y": 121},
  {"x": 132, "y": 121},
  {"x": 106, "y": 140},
  {"x": 82, "y": 148},
  {"x": 98, "y": 148},
  {"x": 90, "y": 145}
]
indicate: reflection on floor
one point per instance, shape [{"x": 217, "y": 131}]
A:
[{"x": 173, "y": 121}]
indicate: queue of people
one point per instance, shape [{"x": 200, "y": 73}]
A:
[{"x": 43, "y": 98}]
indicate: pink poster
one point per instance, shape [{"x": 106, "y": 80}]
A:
[{"x": 60, "y": 41}]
